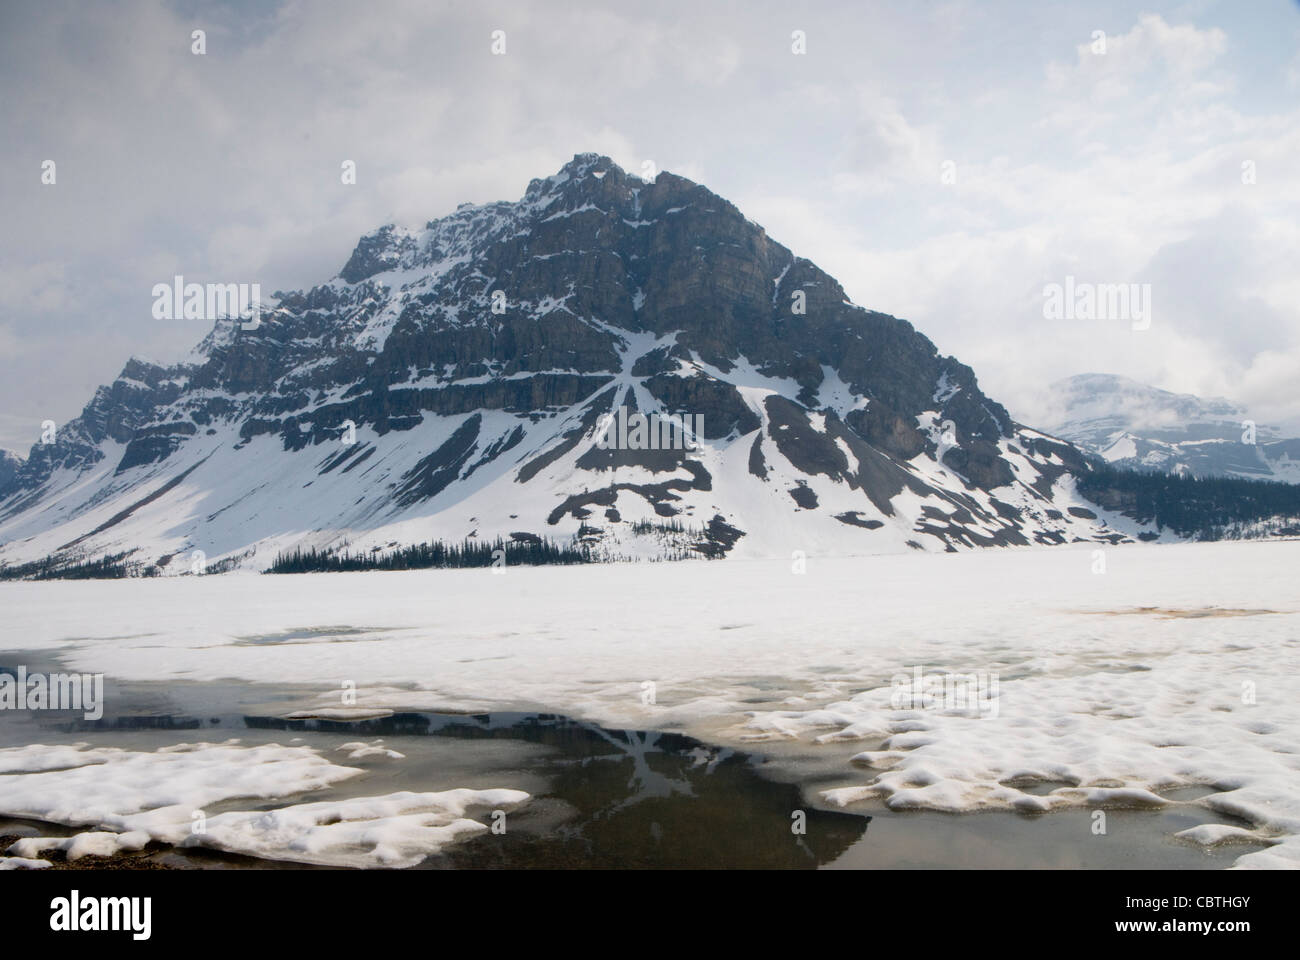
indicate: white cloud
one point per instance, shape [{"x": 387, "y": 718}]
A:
[
  {"x": 1113, "y": 66},
  {"x": 1119, "y": 167}
]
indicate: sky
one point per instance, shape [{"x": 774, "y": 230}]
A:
[{"x": 944, "y": 161}]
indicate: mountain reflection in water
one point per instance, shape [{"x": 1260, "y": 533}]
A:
[{"x": 633, "y": 798}]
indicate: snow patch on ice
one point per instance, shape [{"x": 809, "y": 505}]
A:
[
  {"x": 398, "y": 830},
  {"x": 133, "y": 798},
  {"x": 23, "y": 863},
  {"x": 96, "y": 843},
  {"x": 357, "y": 750}
]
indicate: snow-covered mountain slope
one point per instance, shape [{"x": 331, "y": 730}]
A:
[
  {"x": 1131, "y": 424},
  {"x": 451, "y": 382}
]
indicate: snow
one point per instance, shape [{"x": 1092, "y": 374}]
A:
[
  {"x": 398, "y": 830},
  {"x": 23, "y": 863},
  {"x": 131, "y": 798},
  {"x": 1209, "y": 834},
  {"x": 1174, "y": 668},
  {"x": 849, "y": 456},
  {"x": 776, "y": 281},
  {"x": 584, "y": 208},
  {"x": 339, "y": 713},
  {"x": 357, "y": 750},
  {"x": 127, "y": 790},
  {"x": 1121, "y": 449},
  {"x": 944, "y": 391},
  {"x": 95, "y": 843},
  {"x": 37, "y": 757},
  {"x": 836, "y": 394}
]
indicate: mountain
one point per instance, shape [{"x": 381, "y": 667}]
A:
[
  {"x": 9, "y": 465},
  {"x": 452, "y": 383},
  {"x": 1130, "y": 424}
]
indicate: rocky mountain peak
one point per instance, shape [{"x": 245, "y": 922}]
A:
[{"x": 450, "y": 382}]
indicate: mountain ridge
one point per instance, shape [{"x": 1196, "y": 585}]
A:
[
  {"x": 471, "y": 362},
  {"x": 1137, "y": 426}
]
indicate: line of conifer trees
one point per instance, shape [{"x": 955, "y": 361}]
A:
[
  {"x": 108, "y": 567},
  {"x": 435, "y": 553},
  {"x": 1202, "y": 507}
]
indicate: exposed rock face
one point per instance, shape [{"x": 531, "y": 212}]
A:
[
  {"x": 471, "y": 363},
  {"x": 9, "y": 465}
]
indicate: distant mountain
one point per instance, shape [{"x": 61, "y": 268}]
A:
[
  {"x": 472, "y": 381},
  {"x": 1130, "y": 424}
]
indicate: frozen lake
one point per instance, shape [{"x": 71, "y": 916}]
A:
[{"x": 642, "y": 714}]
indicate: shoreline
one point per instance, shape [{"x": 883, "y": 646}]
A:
[{"x": 651, "y": 785}]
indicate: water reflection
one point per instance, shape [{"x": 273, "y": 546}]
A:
[{"x": 624, "y": 798}]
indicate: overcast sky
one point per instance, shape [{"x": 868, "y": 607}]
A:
[{"x": 1117, "y": 167}]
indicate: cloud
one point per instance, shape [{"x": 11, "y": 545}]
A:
[
  {"x": 1114, "y": 66},
  {"x": 39, "y": 287},
  {"x": 1119, "y": 167},
  {"x": 10, "y": 345}
]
